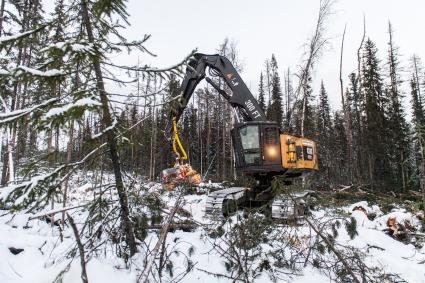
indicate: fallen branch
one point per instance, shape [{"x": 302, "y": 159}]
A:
[
  {"x": 344, "y": 188},
  {"x": 333, "y": 249},
  {"x": 330, "y": 245},
  {"x": 55, "y": 211},
  {"x": 80, "y": 249},
  {"x": 145, "y": 274},
  {"x": 374, "y": 247}
]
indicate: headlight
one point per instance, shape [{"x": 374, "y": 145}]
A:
[{"x": 271, "y": 152}]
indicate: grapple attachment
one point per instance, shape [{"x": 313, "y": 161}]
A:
[{"x": 178, "y": 175}]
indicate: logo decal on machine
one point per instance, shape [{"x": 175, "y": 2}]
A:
[{"x": 232, "y": 80}]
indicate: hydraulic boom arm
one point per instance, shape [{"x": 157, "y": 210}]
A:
[{"x": 241, "y": 99}]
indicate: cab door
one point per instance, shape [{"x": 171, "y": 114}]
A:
[
  {"x": 250, "y": 142},
  {"x": 271, "y": 145},
  {"x": 257, "y": 146}
]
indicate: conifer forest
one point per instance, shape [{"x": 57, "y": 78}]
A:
[{"x": 122, "y": 163}]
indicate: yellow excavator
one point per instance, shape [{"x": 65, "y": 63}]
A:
[{"x": 262, "y": 150}]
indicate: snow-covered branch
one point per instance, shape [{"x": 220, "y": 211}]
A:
[
  {"x": 148, "y": 69},
  {"x": 71, "y": 46},
  {"x": 24, "y": 192},
  {"x": 7, "y": 117},
  {"x": 59, "y": 111},
  {"x": 38, "y": 73},
  {"x": 9, "y": 39},
  {"x": 110, "y": 128}
]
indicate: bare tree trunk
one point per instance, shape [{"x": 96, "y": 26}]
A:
[
  {"x": 154, "y": 144},
  {"x": 5, "y": 167},
  {"x": 347, "y": 116},
  {"x": 68, "y": 160},
  {"x": 418, "y": 86},
  {"x": 112, "y": 144},
  {"x": 217, "y": 143},
  {"x": 403, "y": 173},
  {"x": 359, "y": 79},
  {"x": 50, "y": 148},
  {"x": 11, "y": 138},
  {"x": 201, "y": 139},
  {"x": 2, "y": 15},
  {"x": 223, "y": 145},
  {"x": 359, "y": 84},
  {"x": 288, "y": 99},
  {"x": 208, "y": 135},
  {"x": 21, "y": 144},
  {"x": 57, "y": 145},
  {"x": 151, "y": 147},
  {"x": 268, "y": 82},
  {"x": 370, "y": 167},
  {"x": 303, "y": 113},
  {"x": 422, "y": 168}
]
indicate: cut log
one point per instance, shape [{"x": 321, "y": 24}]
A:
[{"x": 185, "y": 227}]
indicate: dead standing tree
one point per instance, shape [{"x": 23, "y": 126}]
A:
[
  {"x": 314, "y": 47},
  {"x": 347, "y": 116}
]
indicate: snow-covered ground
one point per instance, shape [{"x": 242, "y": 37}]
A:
[{"x": 44, "y": 254}]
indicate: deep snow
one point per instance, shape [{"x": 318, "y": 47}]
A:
[{"x": 43, "y": 255}]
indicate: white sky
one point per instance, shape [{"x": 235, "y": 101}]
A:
[{"x": 282, "y": 27}]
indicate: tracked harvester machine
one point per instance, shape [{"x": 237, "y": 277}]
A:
[{"x": 262, "y": 150}]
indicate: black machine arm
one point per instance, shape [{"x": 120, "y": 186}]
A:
[{"x": 242, "y": 99}]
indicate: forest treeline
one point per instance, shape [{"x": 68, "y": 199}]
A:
[{"x": 54, "y": 81}]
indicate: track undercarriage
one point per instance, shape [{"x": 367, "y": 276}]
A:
[{"x": 286, "y": 207}]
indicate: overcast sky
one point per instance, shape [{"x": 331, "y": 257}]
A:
[{"x": 282, "y": 27}]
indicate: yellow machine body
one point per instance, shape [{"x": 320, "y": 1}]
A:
[{"x": 298, "y": 153}]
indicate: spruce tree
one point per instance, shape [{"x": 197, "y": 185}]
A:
[
  {"x": 339, "y": 150},
  {"x": 375, "y": 123},
  {"x": 354, "y": 103},
  {"x": 261, "y": 93},
  {"x": 324, "y": 132},
  {"x": 418, "y": 121},
  {"x": 275, "y": 111},
  {"x": 397, "y": 125},
  {"x": 417, "y": 106}
]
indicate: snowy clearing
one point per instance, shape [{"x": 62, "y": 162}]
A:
[{"x": 44, "y": 256}]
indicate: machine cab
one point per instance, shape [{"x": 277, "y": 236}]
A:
[
  {"x": 257, "y": 147},
  {"x": 260, "y": 147}
]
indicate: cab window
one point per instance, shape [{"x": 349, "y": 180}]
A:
[
  {"x": 249, "y": 137},
  {"x": 251, "y": 144}
]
